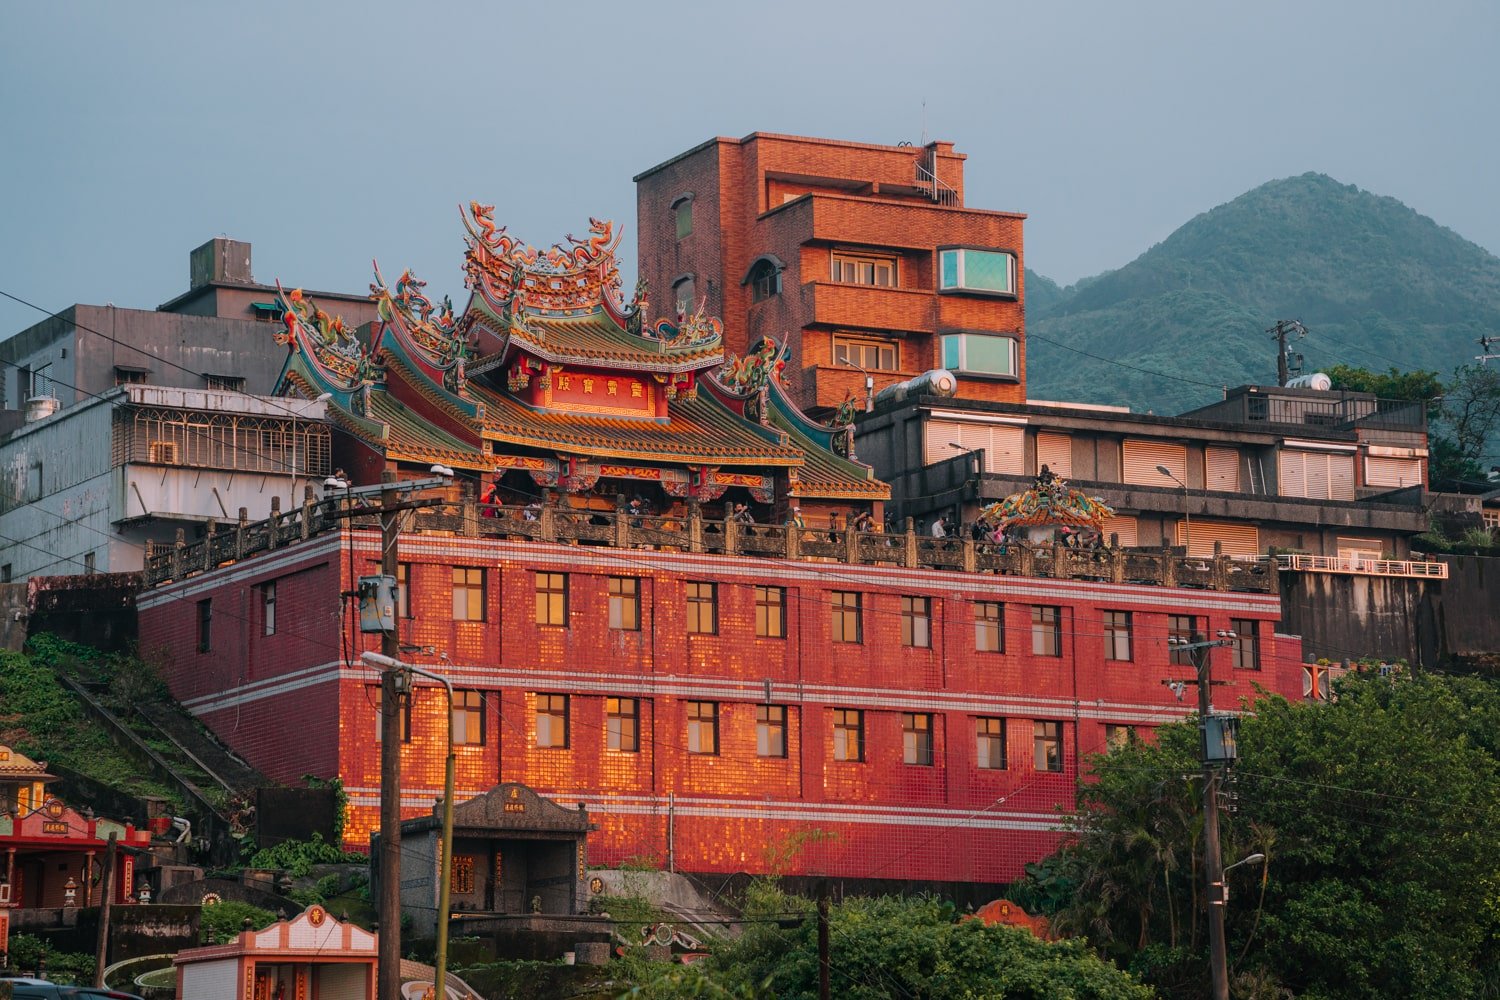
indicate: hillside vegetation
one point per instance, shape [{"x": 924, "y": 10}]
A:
[{"x": 1377, "y": 285}]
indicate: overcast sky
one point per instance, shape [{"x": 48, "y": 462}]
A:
[{"x": 327, "y": 134}]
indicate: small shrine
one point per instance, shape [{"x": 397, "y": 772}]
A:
[
  {"x": 549, "y": 380},
  {"x": 515, "y": 854},
  {"x": 52, "y": 855},
  {"x": 311, "y": 955},
  {"x": 1050, "y": 510}
]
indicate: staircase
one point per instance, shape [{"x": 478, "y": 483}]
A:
[{"x": 928, "y": 180}]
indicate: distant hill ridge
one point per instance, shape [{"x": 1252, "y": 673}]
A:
[{"x": 1377, "y": 284}]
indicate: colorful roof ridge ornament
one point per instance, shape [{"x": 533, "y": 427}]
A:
[
  {"x": 430, "y": 334},
  {"x": 324, "y": 351},
  {"x": 1050, "y": 502}
]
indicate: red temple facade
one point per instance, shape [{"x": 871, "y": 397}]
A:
[{"x": 733, "y": 671}]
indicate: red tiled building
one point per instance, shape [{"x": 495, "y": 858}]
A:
[
  {"x": 854, "y": 253},
  {"x": 780, "y": 695}
]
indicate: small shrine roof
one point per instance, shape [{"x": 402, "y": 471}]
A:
[
  {"x": 412, "y": 439},
  {"x": 596, "y": 338},
  {"x": 701, "y": 431},
  {"x": 15, "y": 766},
  {"x": 827, "y": 475}
]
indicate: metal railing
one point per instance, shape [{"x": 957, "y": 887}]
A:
[
  {"x": 621, "y": 528},
  {"x": 1363, "y": 565}
]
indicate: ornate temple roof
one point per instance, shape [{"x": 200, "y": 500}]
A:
[
  {"x": 15, "y": 766},
  {"x": 547, "y": 360}
]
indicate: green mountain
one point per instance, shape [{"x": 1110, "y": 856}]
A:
[{"x": 1376, "y": 285}]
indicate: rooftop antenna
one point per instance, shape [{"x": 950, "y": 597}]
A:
[
  {"x": 1284, "y": 355},
  {"x": 924, "y": 121},
  {"x": 1485, "y": 343}
]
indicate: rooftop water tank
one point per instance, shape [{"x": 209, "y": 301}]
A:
[
  {"x": 938, "y": 382},
  {"x": 1317, "y": 380}
]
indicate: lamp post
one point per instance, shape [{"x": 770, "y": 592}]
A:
[
  {"x": 1213, "y": 863},
  {"x": 869, "y": 386},
  {"x": 443, "y": 876},
  {"x": 1187, "y": 531}
]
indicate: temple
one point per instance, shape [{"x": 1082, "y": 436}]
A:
[{"x": 550, "y": 380}]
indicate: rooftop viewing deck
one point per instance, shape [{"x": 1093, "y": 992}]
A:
[{"x": 693, "y": 533}]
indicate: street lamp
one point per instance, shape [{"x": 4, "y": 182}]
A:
[
  {"x": 444, "y": 877},
  {"x": 1187, "y": 531},
  {"x": 869, "y": 386},
  {"x": 1252, "y": 859}
]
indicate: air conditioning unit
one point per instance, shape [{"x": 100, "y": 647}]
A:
[{"x": 163, "y": 453}]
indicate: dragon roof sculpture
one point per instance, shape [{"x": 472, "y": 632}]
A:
[{"x": 1050, "y": 502}]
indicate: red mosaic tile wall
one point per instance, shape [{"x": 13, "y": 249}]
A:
[{"x": 295, "y": 706}]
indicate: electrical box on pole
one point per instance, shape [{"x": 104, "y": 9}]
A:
[
  {"x": 1221, "y": 739},
  {"x": 377, "y": 603}
]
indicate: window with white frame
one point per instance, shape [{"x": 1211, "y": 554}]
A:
[
  {"x": 871, "y": 355},
  {"x": 980, "y": 354},
  {"x": 968, "y": 269}
]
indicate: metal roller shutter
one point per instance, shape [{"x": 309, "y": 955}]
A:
[
  {"x": 1125, "y": 527},
  {"x": 1142, "y": 458},
  {"x": 1237, "y": 539},
  {"x": 1320, "y": 475},
  {"x": 1004, "y": 444},
  {"x": 1055, "y": 451},
  {"x": 1393, "y": 472},
  {"x": 1222, "y": 466}
]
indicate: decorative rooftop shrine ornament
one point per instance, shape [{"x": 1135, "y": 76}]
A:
[
  {"x": 756, "y": 369},
  {"x": 565, "y": 281},
  {"x": 1049, "y": 502},
  {"x": 696, "y": 327},
  {"x": 328, "y": 342}
]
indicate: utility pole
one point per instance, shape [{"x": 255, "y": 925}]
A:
[
  {"x": 1485, "y": 343},
  {"x": 394, "y": 686},
  {"x": 1213, "y": 861},
  {"x": 388, "y": 968},
  {"x": 823, "y": 963},
  {"x": 101, "y": 947},
  {"x": 1280, "y": 331}
]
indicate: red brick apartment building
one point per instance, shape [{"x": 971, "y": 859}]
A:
[
  {"x": 712, "y": 705},
  {"x": 852, "y": 253}
]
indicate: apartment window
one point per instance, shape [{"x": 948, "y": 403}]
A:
[
  {"x": 702, "y": 608},
  {"x": 703, "y": 727},
  {"x": 225, "y": 383},
  {"x": 1046, "y": 630},
  {"x": 848, "y": 735},
  {"x": 989, "y": 627},
  {"x": 980, "y": 354},
  {"x": 770, "y": 730},
  {"x": 205, "y": 625},
  {"x": 871, "y": 355},
  {"x": 857, "y": 270},
  {"x": 1117, "y": 737},
  {"x": 916, "y": 738},
  {"x": 770, "y": 612},
  {"x": 468, "y": 718},
  {"x": 1117, "y": 628},
  {"x": 1046, "y": 740},
  {"x": 622, "y": 724},
  {"x": 552, "y": 599},
  {"x": 916, "y": 622},
  {"x": 765, "y": 281},
  {"x": 552, "y": 721},
  {"x": 625, "y": 603},
  {"x": 127, "y": 375},
  {"x": 848, "y": 622},
  {"x": 967, "y": 269},
  {"x": 404, "y": 714},
  {"x": 5, "y": 573},
  {"x": 88, "y": 563},
  {"x": 989, "y": 739},
  {"x": 682, "y": 214},
  {"x": 403, "y": 589},
  {"x": 1181, "y": 627},
  {"x": 1246, "y": 648},
  {"x": 468, "y": 594},
  {"x": 268, "y": 607}
]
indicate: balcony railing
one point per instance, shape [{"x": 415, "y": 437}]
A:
[
  {"x": 622, "y": 529},
  {"x": 1364, "y": 566}
]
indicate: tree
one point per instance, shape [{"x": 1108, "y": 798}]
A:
[
  {"x": 1380, "y": 817},
  {"x": 1463, "y": 413},
  {"x": 888, "y": 947}
]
